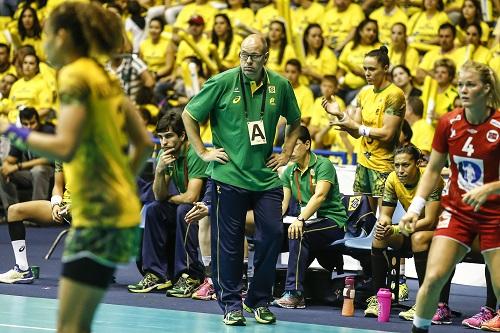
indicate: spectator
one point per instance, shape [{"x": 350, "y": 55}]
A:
[
  {"x": 473, "y": 50},
  {"x": 226, "y": 41},
  {"x": 6, "y": 66},
  {"x": 402, "y": 78},
  {"x": 279, "y": 49},
  {"x": 6, "y": 84},
  {"x": 240, "y": 15},
  {"x": 400, "y": 53},
  {"x": 154, "y": 50},
  {"x": 303, "y": 93},
  {"x": 423, "y": 26},
  {"x": 387, "y": 16},
  {"x": 471, "y": 13},
  {"x": 423, "y": 132},
  {"x": 200, "y": 8}
]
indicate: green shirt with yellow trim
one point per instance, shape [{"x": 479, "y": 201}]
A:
[
  {"x": 374, "y": 104},
  {"x": 188, "y": 165},
  {"x": 320, "y": 168},
  {"x": 395, "y": 191},
  {"x": 221, "y": 99}
]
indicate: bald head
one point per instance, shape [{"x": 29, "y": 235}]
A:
[{"x": 253, "y": 56}]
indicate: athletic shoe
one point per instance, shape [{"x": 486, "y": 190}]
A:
[
  {"x": 404, "y": 291},
  {"x": 149, "y": 283},
  {"x": 479, "y": 318},
  {"x": 291, "y": 299},
  {"x": 492, "y": 325},
  {"x": 234, "y": 318},
  {"x": 262, "y": 314},
  {"x": 184, "y": 287},
  {"x": 442, "y": 315},
  {"x": 16, "y": 275},
  {"x": 205, "y": 291},
  {"x": 408, "y": 314},
  {"x": 372, "y": 308}
]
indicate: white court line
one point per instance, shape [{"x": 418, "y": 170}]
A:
[{"x": 29, "y": 327}]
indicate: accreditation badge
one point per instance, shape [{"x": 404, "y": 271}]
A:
[{"x": 256, "y": 132}]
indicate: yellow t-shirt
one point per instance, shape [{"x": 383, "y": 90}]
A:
[
  {"x": 423, "y": 29},
  {"x": 395, "y": 191},
  {"x": 272, "y": 62},
  {"x": 206, "y": 11},
  {"x": 411, "y": 57},
  {"x": 185, "y": 50},
  {"x": 232, "y": 58},
  {"x": 423, "y": 134},
  {"x": 34, "y": 93},
  {"x": 375, "y": 154},
  {"x": 305, "y": 99},
  {"x": 103, "y": 191},
  {"x": 495, "y": 64},
  {"x": 443, "y": 102},
  {"x": 10, "y": 70},
  {"x": 350, "y": 58},
  {"x": 337, "y": 25},
  {"x": 386, "y": 21},
  {"x": 242, "y": 15},
  {"x": 480, "y": 54},
  {"x": 264, "y": 16},
  {"x": 325, "y": 64},
  {"x": 154, "y": 55},
  {"x": 302, "y": 17},
  {"x": 319, "y": 117},
  {"x": 430, "y": 58}
]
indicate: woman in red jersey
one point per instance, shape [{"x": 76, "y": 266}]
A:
[{"x": 470, "y": 138}]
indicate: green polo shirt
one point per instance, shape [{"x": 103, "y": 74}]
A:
[
  {"x": 320, "y": 168},
  {"x": 221, "y": 100},
  {"x": 187, "y": 166}
]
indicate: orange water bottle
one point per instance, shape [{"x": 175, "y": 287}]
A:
[{"x": 349, "y": 293}]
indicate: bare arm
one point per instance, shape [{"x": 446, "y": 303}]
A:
[
  {"x": 292, "y": 134},
  {"x": 428, "y": 223},
  {"x": 34, "y": 162},
  {"x": 58, "y": 188},
  {"x": 191, "y": 195}
]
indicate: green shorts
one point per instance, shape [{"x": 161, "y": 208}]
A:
[
  {"x": 106, "y": 246},
  {"x": 369, "y": 182}
]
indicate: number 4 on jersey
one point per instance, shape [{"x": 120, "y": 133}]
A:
[{"x": 468, "y": 147}]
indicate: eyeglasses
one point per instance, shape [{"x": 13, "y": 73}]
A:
[{"x": 253, "y": 57}]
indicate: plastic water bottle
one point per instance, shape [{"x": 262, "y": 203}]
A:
[
  {"x": 349, "y": 293},
  {"x": 384, "y": 297}
]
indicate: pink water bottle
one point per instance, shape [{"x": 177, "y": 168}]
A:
[
  {"x": 384, "y": 297},
  {"x": 349, "y": 293}
]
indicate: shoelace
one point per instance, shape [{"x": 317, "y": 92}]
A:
[
  {"x": 182, "y": 283},
  {"x": 148, "y": 279},
  {"x": 442, "y": 312},
  {"x": 483, "y": 313},
  {"x": 372, "y": 301}
]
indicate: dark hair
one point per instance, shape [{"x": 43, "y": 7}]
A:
[
  {"x": 405, "y": 69},
  {"x": 160, "y": 20},
  {"x": 357, "y": 35},
  {"x": 462, "y": 22},
  {"x": 5, "y": 46},
  {"x": 411, "y": 150},
  {"x": 416, "y": 105},
  {"x": 246, "y": 4},
  {"x": 405, "y": 42},
  {"x": 36, "y": 30},
  {"x": 478, "y": 27},
  {"x": 114, "y": 5},
  {"x": 230, "y": 34},
  {"x": 135, "y": 10},
  {"x": 381, "y": 54},
  {"x": 439, "y": 5},
  {"x": 296, "y": 63},
  {"x": 171, "y": 120},
  {"x": 306, "y": 44},
  {"x": 27, "y": 113},
  {"x": 332, "y": 78},
  {"x": 304, "y": 135},
  {"x": 449, "y": 26},
  {"x": 91, "y": 27},
  {"x": 407, "y": 131},
  {"x": 283, "y": 42}
]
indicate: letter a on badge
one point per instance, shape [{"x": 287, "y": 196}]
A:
[{"x": 256, "y": 132}]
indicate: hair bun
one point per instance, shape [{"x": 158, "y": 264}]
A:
[{"x": 384, "y": 49}]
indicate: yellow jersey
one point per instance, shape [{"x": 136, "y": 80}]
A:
[
  {"x": 103, "y": 191},
  {"x": 154, "y": 55},
  {"x": 272, "y": 62},
  {"x": 423, "y": 134},
  {"x": 305, "y": 99},
  {"x": 409, "y": 59},
  {"x": 395, "y": 191},
  {"x": 205, "y": 10},
  {"x": 422, "y": 29},
  {"x": 337, "y": 25},
  {"x": 470, "y": 52},
  {"x": 353, "y": 58},
  {"x": 35, "y": 92},
  {"x": 375, "y": 154},
  {"x": 387, "y": 20}
]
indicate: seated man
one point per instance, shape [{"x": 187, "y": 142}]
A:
[
  {"x": 25, "y": 168},
  {"x": 178, "y": 165},
  {"x": 42, "y": 211},
  {"x": 312, "y": 181},
  {"x": 401, "y": 186}
]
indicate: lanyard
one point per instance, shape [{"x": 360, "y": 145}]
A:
[
  {"x": 297, "y": 183},
  {"x": 262, "y": 106}
]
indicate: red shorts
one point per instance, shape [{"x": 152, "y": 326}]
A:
[{"x": 464, "y": 231}]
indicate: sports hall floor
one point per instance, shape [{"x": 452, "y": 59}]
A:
[{"x": 32, "y": 308}]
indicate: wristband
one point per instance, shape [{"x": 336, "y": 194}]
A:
[
  {"x": 19, "y": 132},
  {"x": 343, "y": 117},
  {"x": 395, "y": 229},
  {"x": 55, "y": 200},
  {"x": 417, "y": 204},
  {"x": 364, "y": 131}
]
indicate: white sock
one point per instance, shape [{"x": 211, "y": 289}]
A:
[
  {"x": 19, "y": 247},
  {"x": 206, "y": 260},
  {"x": 209, "y": 280},
  {"x": 402, "y": 270},
  {"x": 421, "y": 322}
]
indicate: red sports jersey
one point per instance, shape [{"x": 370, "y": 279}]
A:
[{"x": 474, "y": 153}]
